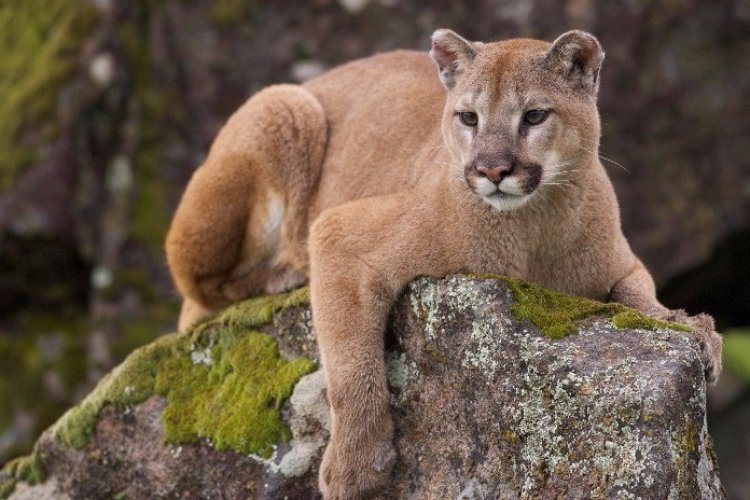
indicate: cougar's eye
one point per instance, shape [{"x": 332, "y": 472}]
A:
[
  {"x": 468, "y": 118},
  {"x": 535, "y": 116}
]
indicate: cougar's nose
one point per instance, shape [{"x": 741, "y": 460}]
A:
[{"x": 496, "y": 174}]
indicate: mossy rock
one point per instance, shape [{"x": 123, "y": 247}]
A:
[
  {"x": 491, "y": 346},
  {"x": 224, "y": 381},
  {"x": 241, "y": 366}
]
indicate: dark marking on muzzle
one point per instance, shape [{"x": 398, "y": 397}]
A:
[
  {"x": 533, "y": 174},
  {"x": 529, "y": 175}
]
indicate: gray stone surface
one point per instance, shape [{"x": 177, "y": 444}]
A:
[{"x": 485, "y": 407}]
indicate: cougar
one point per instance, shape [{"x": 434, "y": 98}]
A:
[{"x": 385, "y": 169}]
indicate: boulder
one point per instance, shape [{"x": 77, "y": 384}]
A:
[{"x": 500, "y": 389}]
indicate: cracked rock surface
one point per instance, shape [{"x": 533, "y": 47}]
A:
[{"x": 485, "y": 405}]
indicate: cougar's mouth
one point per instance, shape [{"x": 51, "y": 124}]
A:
[
  {"x": 501, "y": 200},
  {"x": 508, "y": 195}
]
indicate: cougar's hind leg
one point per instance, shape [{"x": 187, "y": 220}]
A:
[
  {"x": 230, "y": 234},
  {"x": 191, "y": 313},
  {"x": 208, "y": 229}
]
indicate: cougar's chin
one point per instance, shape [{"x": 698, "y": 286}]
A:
[
  {"x": 503, "y": 197},
  {"x": 506, "y": 201}
]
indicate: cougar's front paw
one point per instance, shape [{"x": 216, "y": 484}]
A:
[
  {"x": 709, "y": 341},
  {"x": 350, "y": 471}
]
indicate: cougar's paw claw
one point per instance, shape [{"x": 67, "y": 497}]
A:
[
  {"x": 708, "y": 341},
  {"x": 356, "y": 472}
]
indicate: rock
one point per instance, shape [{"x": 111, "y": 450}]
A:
[{"x": 494, "y": 395}]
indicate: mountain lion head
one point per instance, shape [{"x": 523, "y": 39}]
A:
[{"x": 520, "y": 115}]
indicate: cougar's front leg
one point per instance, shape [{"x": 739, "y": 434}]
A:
[
  {"x": 361, "y": 255},
  {"x": 637, "y": 290},
  {"x": 350, "y": 301}
]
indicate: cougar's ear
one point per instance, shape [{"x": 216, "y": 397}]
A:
[
  {"x": 577, "y": 56},
  {"x": 452, "y": 53}
]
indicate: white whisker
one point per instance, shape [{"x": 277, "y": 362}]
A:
[{"x": 610, "y": 160}]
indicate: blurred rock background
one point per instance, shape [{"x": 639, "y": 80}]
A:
[{"x": 108, "y": 106}]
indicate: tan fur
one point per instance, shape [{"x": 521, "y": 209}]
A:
[{"x": 375, "y": 155}]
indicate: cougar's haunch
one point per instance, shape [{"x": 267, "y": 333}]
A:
[{"x": 241, "y": 226}]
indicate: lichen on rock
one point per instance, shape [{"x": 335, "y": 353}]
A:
[
  {"x": 310, "y": 423},
  {"x": 518, "y": 407}
]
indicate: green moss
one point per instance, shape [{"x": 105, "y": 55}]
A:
[
  {"x": 7, "y": 485},
  {"x": 38, "y": 40},
  {"x": 222, "y": 380},
  {"x": 260, "y": 310},
  {"x": 737, "y": 352},
  {"x": 43, "y": 367},
  {"x": 632, "y": 319},
  {"x": 557, "y": 314},
  {"x": 554, "y": 313},
  {"x": 28, "y": 469},
  {"x": 234, "y": 398},
  {"x": 130, "y": 383}
]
